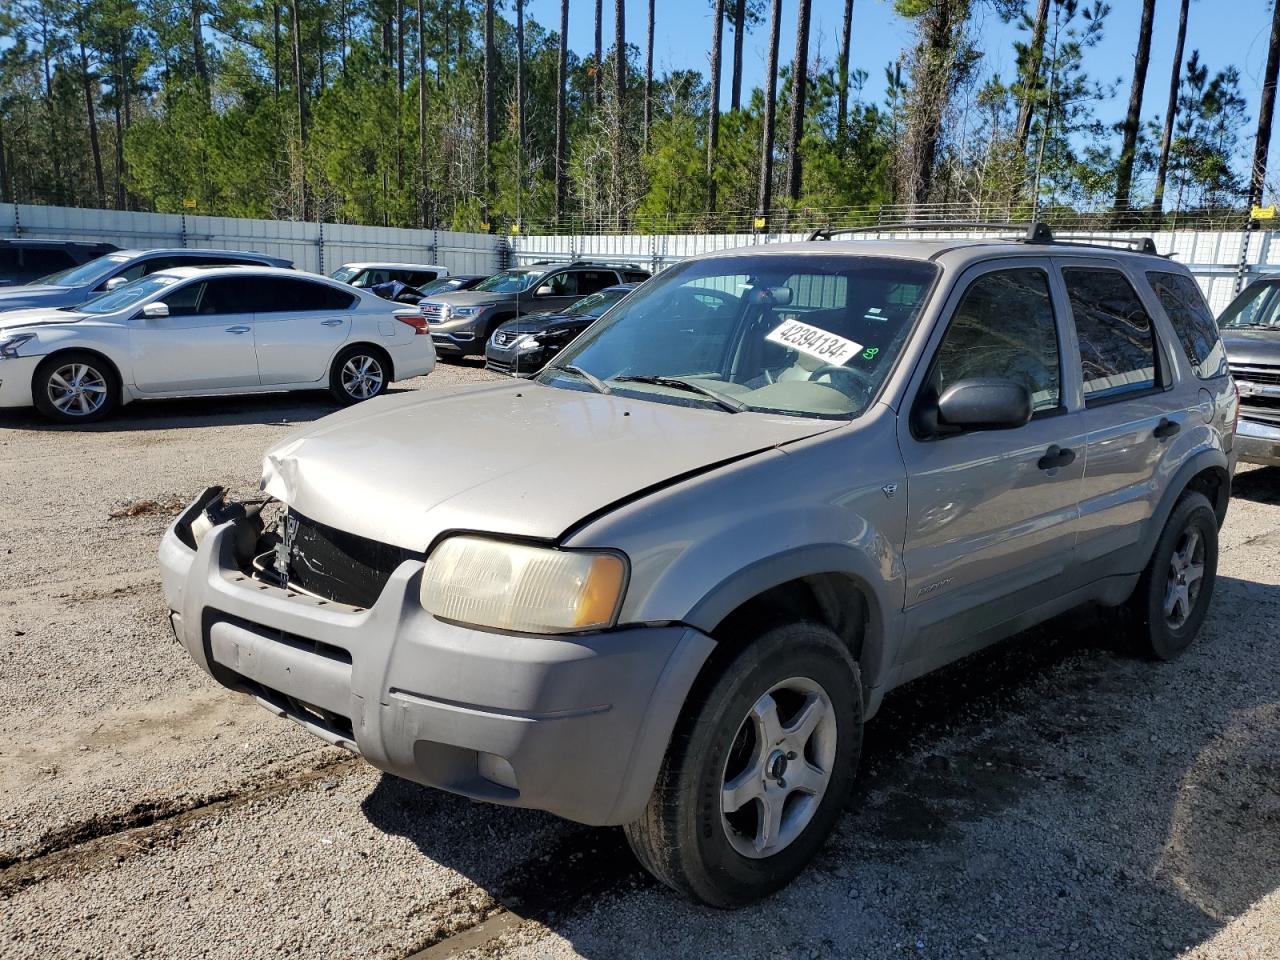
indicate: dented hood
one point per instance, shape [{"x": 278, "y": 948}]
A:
[{"x": 515, "y": 458}]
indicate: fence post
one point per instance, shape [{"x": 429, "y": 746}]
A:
[
  {"x": 1243, "y": 265},
  {"x": 320, "y": 248},
  {"x": 183, "y": 237},
  {"x": 17, "y": 220}
]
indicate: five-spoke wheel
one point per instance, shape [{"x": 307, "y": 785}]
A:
[{"x": 359, "y": 373}]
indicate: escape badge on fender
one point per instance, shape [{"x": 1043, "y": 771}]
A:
[{"x": 814, "y": 341}]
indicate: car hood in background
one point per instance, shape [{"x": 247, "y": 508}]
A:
[
  {"x": 542, "y": 322},
  {"x": 470, "y": 298},
  {"x": 37, "y": 317},
  {"x": 1252, "y": 345},
  {"x": 521, "y": 459},
  {"x": 18, "y": 298}
]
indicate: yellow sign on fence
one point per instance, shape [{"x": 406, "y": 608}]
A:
[
  {"x": 189, "y": 204},
  {"x": 760, "y": 223},
  {"x": 1263, "y": 213}
]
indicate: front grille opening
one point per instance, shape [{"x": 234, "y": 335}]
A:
[
  {"x": 327, "y": 720},
  {"x": 334, "y": 565}
]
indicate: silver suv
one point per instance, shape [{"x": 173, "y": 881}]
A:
[{"x": 665, "y": 583}]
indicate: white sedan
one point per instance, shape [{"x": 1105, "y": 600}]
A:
[{"x": 208, "y": 331}]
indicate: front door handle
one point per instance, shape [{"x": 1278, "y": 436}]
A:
[
  {"x": 239, "y": 329},
  {"x": 331, "y": 323},
  {"x": 1167, "y": 428},
  {"x": 1056, "y": 456}
]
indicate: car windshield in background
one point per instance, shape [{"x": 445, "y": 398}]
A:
[
  {"x": 127, "y": 295},
  {"x": 596, "y": 304},
  {"x": 84, "y": 274},
  {"x": 344, "y": 274},
  {"x": 443, "y": 285},
  {"x": 509, "y": 281},
  {"x": 1256, "y": 307},
  {"x": 810, "y": 336}
]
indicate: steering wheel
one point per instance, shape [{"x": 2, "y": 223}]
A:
[{"x": 853, "y": 383}]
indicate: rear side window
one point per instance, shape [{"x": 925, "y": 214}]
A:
[
  {"x": 45, "y": 260},
  {"x": 1117, "y": 345},
  {"x": 279, "y": 295},
  {"x": 1192, "y": 321},
  {"x": 635, "y": 276},
  {"x": 589, "y": 281},
  {"x": 227, "y": 295},
  {"x": 1004, "y": 328}
]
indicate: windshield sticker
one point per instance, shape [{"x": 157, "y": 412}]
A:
[
  {"x": 870, "y": 353},
  {"x": 814, "y": 341},
  {"x": 874, "y": 313}
]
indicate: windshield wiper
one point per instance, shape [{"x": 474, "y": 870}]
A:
[
  {"x": 732, "y": 404},
  {"x": 596, "y": 383}
]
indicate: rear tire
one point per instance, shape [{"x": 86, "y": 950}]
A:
[
  {"x": 359, "y": 373},
  {"x": 743, "y": 802},
  {"x": 1170, "y": 602},
  {"x": 75, "y": 386}
]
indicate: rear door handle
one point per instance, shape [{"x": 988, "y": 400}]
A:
[
  {"x": 1167, "y": 428},
  {"x": 1056, "y": 456},
  {"x": 331, "y": 323},
  {"x": 239, "y": 329}
]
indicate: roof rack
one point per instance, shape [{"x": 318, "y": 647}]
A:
[
  {"x": 587, "y": 263},
  {"x": 1033, "y": 232}
]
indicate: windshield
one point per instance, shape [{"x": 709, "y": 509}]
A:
[
  {"x": 443, "y": 285},
  {"x": 509, "y": 281},
  {"x": 1255, "y": 307},
  {"x": 596, "y": 304},
  {"x": 800, "y": 335},
  {"x": 127, "y": 295},
  {"x": 86, "y": 273},
  {"x": 344, "y": 274}
]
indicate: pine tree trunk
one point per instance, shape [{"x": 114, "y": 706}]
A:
[
  {"x": 770, "y": 99},
  {"x": 1266, "y": 112},
  {"x": 596, "y": 97},
  {"x": 197, "y": 53},
  {"x": 842, "y": 74},
  {"x": 713, "y": 112},
  {"x": 490, "y": 129},
  {"x": 648, "y": 79},
  {"x": 400, "y": 45},
  {"x": 800, "y": 74},
  {"x": 520, "y": 92},
  {"x": 1133, "y": 118},
  {"x": 1026, "y": 109},
  {"x": 6, "y": 191},
  {"x": 275, "y": 24},
  {"x": 619, "y": 103},
  {"x": 92, "y": 114},
  {"x": 1171, "y": 112},
  {"x": 301, "y": 96},
  {"x": 443, "y": 62},
  {"x": 52, "y": 123},
  {"x": 423, "y": 220},
  {"x": 562, "y": 144},
  {"x": 739, "y": 31}
]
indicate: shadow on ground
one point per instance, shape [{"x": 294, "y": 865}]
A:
[{"x": 1046, "y": 797}]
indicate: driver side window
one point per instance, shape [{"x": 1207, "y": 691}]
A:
[{"x": 1004, "y": 328}]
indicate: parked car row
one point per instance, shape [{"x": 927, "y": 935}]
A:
[{"x": 112, "y": 326}]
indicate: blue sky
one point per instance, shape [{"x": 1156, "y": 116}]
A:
[{"x": 1224, "y": 31}]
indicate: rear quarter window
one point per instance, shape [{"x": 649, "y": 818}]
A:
[{"x": 1192, "y": 321}]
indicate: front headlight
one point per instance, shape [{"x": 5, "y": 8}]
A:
[
  {"x": 9, "y": 345},
  {"x": 463, "y": 312},
  {"x": 514, "y": 586},
  {"x": 531, "y": 342}
]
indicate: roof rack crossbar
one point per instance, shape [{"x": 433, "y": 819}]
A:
[
  {"x": 1033, "y": 232},
  {"x": 1138, "y": 244}
]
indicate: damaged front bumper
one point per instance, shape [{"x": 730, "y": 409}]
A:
[{"x": 573, "y": 725}]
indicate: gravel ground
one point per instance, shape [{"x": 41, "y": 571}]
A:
[{"x": 1045, "y": 798}]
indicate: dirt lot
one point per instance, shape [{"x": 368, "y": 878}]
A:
[{"x": 1046, "y": 798}]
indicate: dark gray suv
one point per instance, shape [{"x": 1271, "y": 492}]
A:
[
  {"x": 666, "y": 582},
  {"x": 1251, "y": 330},
  {"x": 462, "y": 322}
]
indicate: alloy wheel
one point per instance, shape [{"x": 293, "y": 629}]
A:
[
  {"x": 77, "y": 389},
  {"x": 778, "y": 768},
  {"x": 1186, "y": 574},
  {"x": 362, "y": 376}
]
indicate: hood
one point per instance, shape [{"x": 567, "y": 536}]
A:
[
  {"x": 518, "y": 458},
  {"x": 470, "y": 298},
  {"x": 17, "y": 298},
  {"x": 37, "y": 317},
  {"x": 542, "y": 322},
  {"x": 1252, "y": 345}
]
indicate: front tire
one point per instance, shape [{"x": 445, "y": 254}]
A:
[
  {"x": 1169, "y": 605},
  {"x": 759, "y": 768},
  {"x": 359, "y": 373},
  {"x": 75, "y": 387}
]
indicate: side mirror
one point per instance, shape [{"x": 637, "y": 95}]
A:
[
  {"x": 546, "y": 290},
  {"x": 984, "y": 405},
  {"x": 155, "y": 310},
  {"x": 115, "y": 283}
]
